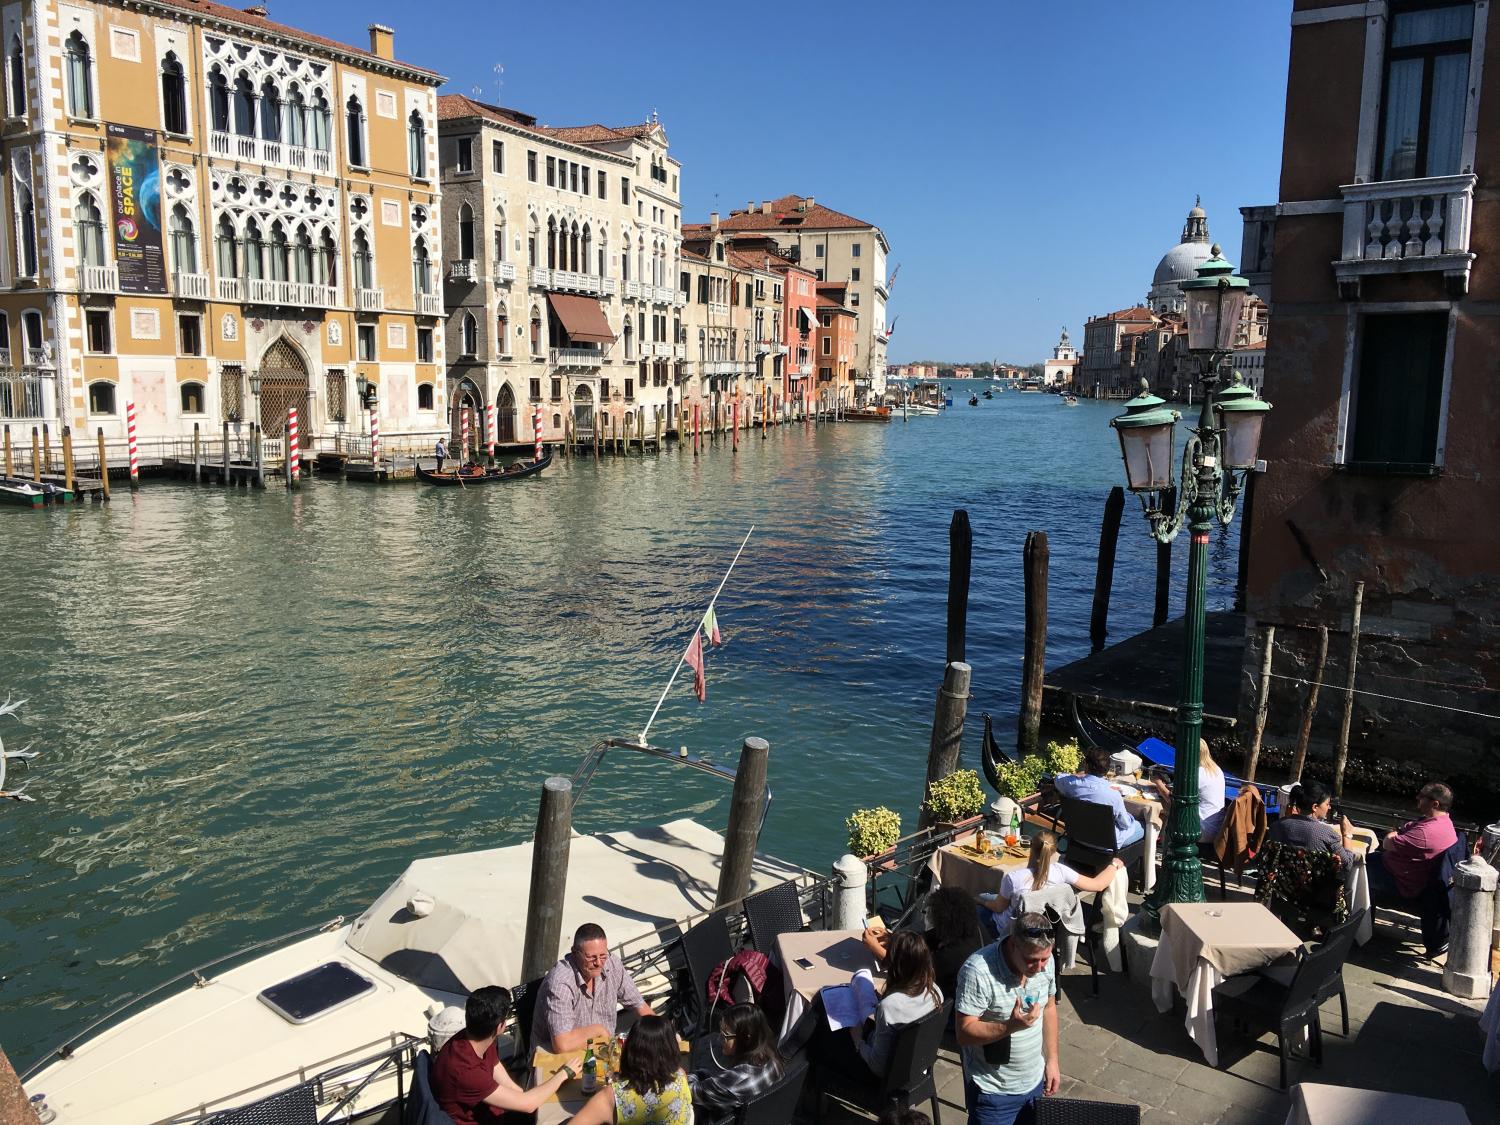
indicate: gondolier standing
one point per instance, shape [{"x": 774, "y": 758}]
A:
[{"x": 441, "y": 452}]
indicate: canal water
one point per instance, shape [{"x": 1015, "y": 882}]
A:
[{"x": 255, "y": 708}]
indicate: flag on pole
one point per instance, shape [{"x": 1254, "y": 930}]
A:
[
  {"x": 694, "y": 660},
  {"x": 711, "y": 627}
]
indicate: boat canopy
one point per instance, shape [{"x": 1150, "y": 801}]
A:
[{"x": 457, "y": 922}]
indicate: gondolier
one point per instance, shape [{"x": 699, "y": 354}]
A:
[{"x": 441, "y": 452}]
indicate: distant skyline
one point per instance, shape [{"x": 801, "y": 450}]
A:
[{"x": 1029, "y": 162}]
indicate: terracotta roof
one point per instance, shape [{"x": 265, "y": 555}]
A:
[
  {"x": 745, "y": 260},
  {"x": 453, "y": 106},
  {"x": 1136, "y": 314},
  {"x": 786, "y": 216},
  {"x": 833, "y": 306},
  {"x": 210, "y": 10},
  {"x": 596, "y": 134},
  {"x": 692, "y": 255},
  {"x": 1258, "y": 346},
  {"x": 696, "y": 230}
]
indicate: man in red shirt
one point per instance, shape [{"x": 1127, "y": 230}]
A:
[
  {"x": 1409, "y": 854},
  {"x": 469, "y": 1081}
]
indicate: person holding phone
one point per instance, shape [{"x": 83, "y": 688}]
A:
[
  {"x": 1007, "y": 1023},
  {"x": 1307, "y": 826}
]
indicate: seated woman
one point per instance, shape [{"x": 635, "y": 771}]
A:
[
  {"x": 952, "y": 935},
  {"x": 752, "y": 1066},
  {"x": 1043, "y": 869},
  {"x": 1306, "y": 826},
  {"x": 651, "y": 1088},
  {"x": 1210, "y": 794}
]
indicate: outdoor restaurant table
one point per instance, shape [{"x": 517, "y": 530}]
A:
[
  {"x": 569, "y": 1098},
  {"x": 835, "y": 956},
  {"x": 1204, "y": 943},
  {"x": 1357, "y": 884},
  {"x": 1145, "y": 806},
  {"x": 1316, "y": 1104}
]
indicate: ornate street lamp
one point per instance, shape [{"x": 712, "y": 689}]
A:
[{"x": 1215, "y": 461}]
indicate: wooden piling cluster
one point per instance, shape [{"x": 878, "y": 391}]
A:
[{"x": 67, "y": 479}]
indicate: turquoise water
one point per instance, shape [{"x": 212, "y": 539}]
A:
[{"x": 256, "y": 708}]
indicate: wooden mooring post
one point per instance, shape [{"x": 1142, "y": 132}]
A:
[
  {"x": 36, "y": 456},
  {"x": 1341, "y": 750},
  {"x": 960, "y": 561},
  {"x": 197, "y": 455},
  {"x": 10, "y": 463},
  {"x": 46, "y": 448},
  {"x": 1104, "y": 573},
  {"x": 744, "y": 821},
  {"x": 658, "y": 432},
  {"x": 67, "y": 454},
  {"x": 1036, "y": 557},
  {"x": 1304, "y": 732},
  {"x": 549, "y": 878},
  {"x": 103, "y": 465},
  {"x": 224, "y": 479},
  {"x": 1263, "y": 702},
  {"x": 946, "y": 747},
  {"x": 14, "y": 1108},
  {"x": 258, "y": 444}
]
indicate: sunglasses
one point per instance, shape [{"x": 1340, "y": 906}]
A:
[{"x": 1036, "y": 933}]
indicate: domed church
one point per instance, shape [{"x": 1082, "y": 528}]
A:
[{"x": 1180, "y": 263}]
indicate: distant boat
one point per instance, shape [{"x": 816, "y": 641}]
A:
[
  {"x": 474, "y": 475},
  {"x": 973, "y": 400},
  {"x": 1070, "y": 400},
  {"x": 988, "y": 393},
  {"x": 873, "y": 414}
]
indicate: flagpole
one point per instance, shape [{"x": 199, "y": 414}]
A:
[{"x": 665, "y": 691}]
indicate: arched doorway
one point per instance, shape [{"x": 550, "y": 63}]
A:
[
  {"x": 583, "y": 410},
  {"x": 283, "y": 385},
  {"x": 467, "y": 398},
  {"x": 507, "y": 411}
]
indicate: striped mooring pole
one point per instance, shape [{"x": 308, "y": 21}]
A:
[
  {"x": 135, "y": 452},
  {"x": 463, "y": 438},
  {"x": 375, "y": 439},
  {"x": 293, "y": 451},
  {"x": 489, "y": 429},
  {"x": 536, "y": 429}
]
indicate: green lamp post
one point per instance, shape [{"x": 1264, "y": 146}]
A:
[{"x": 1217, "y": 456}]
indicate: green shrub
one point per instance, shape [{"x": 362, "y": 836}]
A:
[
  {"x": 1023, "y": 778},
  {"x": 956, "y": 796},
  {"x": 873, "y": 831}
]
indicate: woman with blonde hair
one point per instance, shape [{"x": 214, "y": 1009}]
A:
[
  {"x": 1043, "y": 869},
  {"x": 1210, "y": 793}
]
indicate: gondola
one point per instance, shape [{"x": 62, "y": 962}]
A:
[
  {"x": 973, "y": 400},
  {"x": 476, "y": 475},
  {"x": 991, "y": 755}
]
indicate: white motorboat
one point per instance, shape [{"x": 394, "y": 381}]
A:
[{"x": 921, "y": 410}]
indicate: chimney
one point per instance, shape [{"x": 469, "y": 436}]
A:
[
  {"x": 765, "y": 208},
  {"x": 713, "y": 220},
  {"x": 256, "y": 10},
  {"x": 807, "y": 204},
  {"x": 750, "y": 207},
  {"x": 382, "y": 41}
]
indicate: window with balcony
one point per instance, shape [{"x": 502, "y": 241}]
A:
[
  {"x": 97, "y": 331},
  {"x": 101, "y": 397},
  {"x": 319, "y": 124},
  {"x": 255, "y": 251},
  {"x": 79, "y": 76},
  {"x": 424, "y": 345},
  {"x": 466, "y": 233},
  {"x": 421, "y": 268},
  {"x": 15, "y": 60},
  {"x": 294, "y": 113},
  {"x": 226, "y": 248},
  {"x": 302, "y": 256},
  {"x": 416, "y": 145},
  {"x": 354, "y": 130},
  {"x": 88, "y": 227},
  {"x": 497, "y": 157},
  {"x": 183, "y": 240},
  {"x": 174, "y": 117},
  {"x": 464, "y": 154},
  {"x": 33, "y": 330},
  {"x": 1398, "y": 391},
  {"x": 364, "y": 262},
  {"x": 192, "y": 398},
  {"x": 244, "y": 106},
  {"x": 270, "y": 111},
  {"x": 1425, "y": 89},
  {"x": 365, "y": 342},
  {"x": 190, "y": 334}
]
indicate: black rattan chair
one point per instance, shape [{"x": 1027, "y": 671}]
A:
[
  {"x": 1334, "y": 986},
  {"x": 778, "y": 1105},
  {"x": 706, "y": 946},
  {"x": 524, "y": 997},
  {"x": 1090, "y": 830},
  {"x": 297, "y": 1106},
  {"x": 908, "y": 1076},
  {"x": 1075, "y": 1111},
  {"x": 421, "y": 1106},
  {"x": 771, "y": 913}
]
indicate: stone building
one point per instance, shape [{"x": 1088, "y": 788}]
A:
[
  {"x": 1058, "y": 371},
  {"x": 1118, "y": 352},
  {"x": 1383, "y": 461},
  {"x": 217, "y": 218},
  {"x": 1179, "y": 264},
  {"x": 562, "y": 273}
]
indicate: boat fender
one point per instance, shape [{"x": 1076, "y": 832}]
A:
[
  {"x": 420, "y": 904},
  {"x": 444, "y": 1026}
]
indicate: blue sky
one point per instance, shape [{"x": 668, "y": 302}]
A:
[{"x": 1029, "y": 160}]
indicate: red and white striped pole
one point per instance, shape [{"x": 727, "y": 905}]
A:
[
  {"x": 536, "y": 429},
  {"x": 293, "y": 449},
  {"x": 375, "y": 439},
  {"x": 489, "y": 429},
  {"x": 135, "y": 453},
  {"x": 463, "y": 440}
]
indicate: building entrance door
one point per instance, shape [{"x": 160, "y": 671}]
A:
[
  {"x": 283, "y": 385},
  {"x": 507, "y": 412}
]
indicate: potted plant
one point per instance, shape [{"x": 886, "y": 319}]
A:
[
  {"x": 873, "y": 832},
  {"x": 955, "y": 798}
]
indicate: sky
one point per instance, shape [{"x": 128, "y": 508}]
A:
[{"x": 1028, "y": 160}]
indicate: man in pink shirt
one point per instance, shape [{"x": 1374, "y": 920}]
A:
[{"x": 1409, "y": 855}]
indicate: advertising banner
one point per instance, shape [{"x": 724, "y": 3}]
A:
[{"x": 135, "y": 194}]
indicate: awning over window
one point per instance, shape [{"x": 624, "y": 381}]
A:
[
  {"x": 809, "y": 321},
  {"x": 582, "y": 318}
]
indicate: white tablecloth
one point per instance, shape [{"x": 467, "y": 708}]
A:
[
  {"x": 1316, "y": 1104},
  {"x": 1357, "y": 890}
]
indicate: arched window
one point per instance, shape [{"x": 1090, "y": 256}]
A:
[
  {"x": 192, "y": 398},
  {"x": 173, "y": 95},
  {"x": 416, "y": 144},
  {"x": 551, "y": 244},
  {"x": 26, "y": 205},
  {"x": 702, "y": 346},
  {"x": 31, "y": 327},
  {"x": 226, "y": 248},
  {"x": 588, "y": 245},
  {"x": 16, "y": 60},
  {"x": 101, "y": 398},
  {"x": 218, "y": 100},
  {"x": 625, "y": 263},
  {"x": 502, "y": 333},
  {"x": 536, "y": 332},
  {"x": 326, "y": 264},
  {"x": 255, "y": 251},
  {"x": 80, "y": 67},
  {"x": 421, "y": 268},
  {"x": 425, "y": 396},
  {"x": 354, "y": 128},
  {"x": 270, "y": 111},
  {"x": 317, "y": 120},
  {"x": 280, "y": 253},
  {"x": 302, "y": 257},
  {"x": 500, "y": 252},
  {"x": 89, "y": 226},
  {"x": 470, "y": 335},
  {"x": 629, "y": 341},
  {"x": 244, "y": 106},
  {"x": 184, "y": 241},
  {"x": 557, "y": 421},
  {"x": 294, "y": 117},
  {"x": 364, "y": 264},
  {"x": 466, "y": 233}
]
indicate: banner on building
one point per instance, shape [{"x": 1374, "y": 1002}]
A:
[{"x": 135, "y": 195}]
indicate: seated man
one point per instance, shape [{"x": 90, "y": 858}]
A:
[
  {"x": 1408, "y": 855},
  {"x": 582, "y": 994},
  {"x": 1088, "y": 784},
  {"x": 468, "y": 1080}
]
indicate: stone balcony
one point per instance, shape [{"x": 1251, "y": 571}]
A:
[
  {"x": 570, "y": 281},
  {"x": 429, "y": 304},
  {"x": 503, "y": 272},
  {"x": 465, "y": 269},
  {"x": 229, "y": 289},
  {"x": 99, "y": 279},
  {"x": 369, "y": 300},
  {"x": 297, "y": 294},
  {"x": 191, "y": 286},
  {"x": 1407, "y": 226},
  {"x": 576, "y": 357},
  {"x": 233, "y": 146}
]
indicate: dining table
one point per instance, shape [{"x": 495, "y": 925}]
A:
[
  {"x": 813, "y": 959},
  {"x": 1143, "y": 803},
  {"x": 1204, "y": 943},
  {"x": 1315, "y": 1103},
  {"x": 569, "y": 1098},
  {"x": 1357, "y": 883}
]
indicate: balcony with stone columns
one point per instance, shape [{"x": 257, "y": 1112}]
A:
[{"x": 1407, "y": 226}]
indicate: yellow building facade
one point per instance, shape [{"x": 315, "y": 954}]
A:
[{"x": 216, "y": 218}]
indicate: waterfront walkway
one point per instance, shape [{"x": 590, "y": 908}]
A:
[{"x": 1405, "y": 1036}]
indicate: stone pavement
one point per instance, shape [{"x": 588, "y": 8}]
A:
[{"x": 1405, "y": 1035}]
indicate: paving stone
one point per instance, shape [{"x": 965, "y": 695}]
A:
[
  {"x": 1188, "y": 1105},
  {"x": 1142, "y": 1058},
  {"x": 1133, "y": 1084},
  {"x": 1080, "y": 1066}
]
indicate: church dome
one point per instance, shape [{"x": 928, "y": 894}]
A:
[{"x": 1180, "y": 263}]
